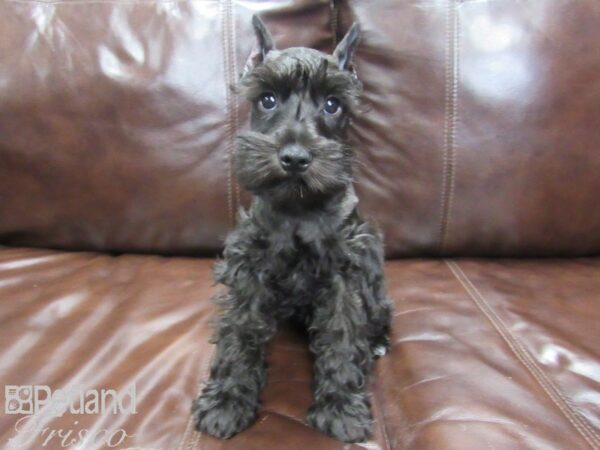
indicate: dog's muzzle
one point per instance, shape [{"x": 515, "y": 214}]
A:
[{"x": 294, "y": 158}]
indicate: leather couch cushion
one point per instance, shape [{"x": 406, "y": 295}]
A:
[
  {"x": 493, "y": 354},
  {"x": 116, "y": 118},
  {"x": 485, "y": 354},
  {"x": 481, "y": 136}
]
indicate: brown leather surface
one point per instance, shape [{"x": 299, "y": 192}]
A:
[
  {"x": 493, "y": 354},
  {"x": 101, "y": 322},
  {"x": 116, "y": 120},
  {"x": 486, "y": 354},
  {"x": 481, "y": 136}
]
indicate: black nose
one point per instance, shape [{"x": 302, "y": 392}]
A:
[{"x": 294, "y": 158}]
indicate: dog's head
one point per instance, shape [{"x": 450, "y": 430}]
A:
[{"x": 295, "y": 154}]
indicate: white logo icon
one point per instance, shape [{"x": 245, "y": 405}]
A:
[{"x": 18, "y": 399}]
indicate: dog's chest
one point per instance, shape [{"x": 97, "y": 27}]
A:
[{"x": 297, "y": 263}]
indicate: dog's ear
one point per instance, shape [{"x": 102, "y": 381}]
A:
[
  {"x": 263, "y": 37},
  {"x": 264, "y": 44},
  {"x": 345, "y": 49}
]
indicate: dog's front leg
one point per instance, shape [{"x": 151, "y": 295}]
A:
[
  {"x": 229, "y": 402},
  {"x": 343, "y": 359}
]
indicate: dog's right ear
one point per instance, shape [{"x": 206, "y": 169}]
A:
[
  {"x": 264, "y": 44},
  {"x": 263, "y": 37}
]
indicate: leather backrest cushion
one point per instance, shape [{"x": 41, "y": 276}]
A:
[
  {"x": 116, "y": 120},
  {"x": 480, "y": 136},
  {"x": 483, "y": 130}
]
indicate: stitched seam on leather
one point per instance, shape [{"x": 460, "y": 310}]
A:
[
  {"x": 188, "y": 427},
  {"x": 377, "y": 403},
  {"x": 205, "y": 377},
  {"x": 556, "y": 395},
  {"x": 450, "y": 113},
  {"x": 204, "y": 374},
  {"x": 454, "y": 125},
  {"x": 447, "y": 80},
  {"x": 235, "y": 110},
  {"x": 334, "y": 21},
  {"x": 194, "y": 442},
  {"x": 226, "y": 39}
]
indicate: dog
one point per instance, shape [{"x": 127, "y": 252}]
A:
[{"x": 301, "y": 252}]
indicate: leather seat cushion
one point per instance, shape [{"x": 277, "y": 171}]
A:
[{"x": 485, "y": 354}]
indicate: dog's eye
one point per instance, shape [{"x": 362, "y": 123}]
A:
[
  {"x": 332, "y": 105},
  {"x": 267, "y": 101}
]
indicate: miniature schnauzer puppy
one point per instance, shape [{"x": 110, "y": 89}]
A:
[{"x": 301, "y": 252}]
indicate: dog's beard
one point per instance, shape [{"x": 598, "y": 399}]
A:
[{"x": 257, "y": 169}]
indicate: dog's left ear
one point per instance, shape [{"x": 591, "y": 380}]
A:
[{"x": 345, "y": 49}]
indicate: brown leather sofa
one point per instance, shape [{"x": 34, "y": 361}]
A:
[{"x": 480, "y": 160}]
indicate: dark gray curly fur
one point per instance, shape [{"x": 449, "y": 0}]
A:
[{"x": 301, "y": 252}]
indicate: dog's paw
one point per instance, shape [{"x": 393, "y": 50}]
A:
[
  {"x": 347, "y": 419},
  {"x": 222, "y": 415}
]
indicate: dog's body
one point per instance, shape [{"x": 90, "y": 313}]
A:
[{"x": 302, "y": 252}]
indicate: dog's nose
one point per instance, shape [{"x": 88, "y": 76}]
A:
[{"x": 294, "y": 158}]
